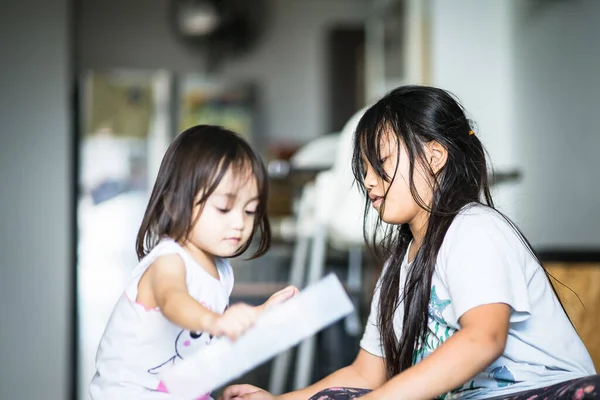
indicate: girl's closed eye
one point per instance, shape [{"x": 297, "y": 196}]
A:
[{"x": 223, "y": 210}]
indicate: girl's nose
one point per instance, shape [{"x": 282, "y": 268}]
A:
[
  {"x": 238, "y": 220},
  {"x": 370, "y": 180}
]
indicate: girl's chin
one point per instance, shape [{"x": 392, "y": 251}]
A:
[{"x": 229, "y": 249}]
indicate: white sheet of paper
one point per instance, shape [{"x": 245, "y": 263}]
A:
[{"x": 278, "y": 329}]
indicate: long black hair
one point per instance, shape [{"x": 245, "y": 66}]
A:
[
  {"x": 417, "y": 115},
  {"x": 197, "y": 160}
]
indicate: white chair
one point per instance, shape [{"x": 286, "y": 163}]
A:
[{"x": 329, "y": 212}]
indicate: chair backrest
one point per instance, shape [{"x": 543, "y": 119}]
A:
[
  {"x": 316, "y": 154},
  {"x": 345, "y": 222}
]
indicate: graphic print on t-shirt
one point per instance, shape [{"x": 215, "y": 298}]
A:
[
  {"x": 438, "y": 331},
  {"x": 185, "y": 344}
]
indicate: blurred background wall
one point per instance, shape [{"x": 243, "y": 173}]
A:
[
  {"x": 556, "y": 62},
  {"x": 526, "y": 71},
  {"x": 36, "y": 173},
  {"x": 288, "y": 62}
]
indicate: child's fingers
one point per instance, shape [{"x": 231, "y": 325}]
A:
[
  {"x": 242, "y": 312},
  {"x": 237, "y": 320},
  {"x": 282, "y": 296},
  {"x": 248, "y": 317},
  {"x": 237, "y": 328},
  {"x": 242, "y": 392},
  {"x": 287, "y": 292}
]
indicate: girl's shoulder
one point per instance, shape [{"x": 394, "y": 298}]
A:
[
  {"x": 478, "y": 210},
  {"x": 169, "y": 250},
  {"x": 480, "y": 225},
  {"x": 166, "y": 248},
  {"x": 481, "y": 240},
  {"x": 480, "y": 217}
]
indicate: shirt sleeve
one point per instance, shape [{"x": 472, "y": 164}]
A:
[
  {"x": 165, "y": 247},
  {"x": 484, "y": 263}
]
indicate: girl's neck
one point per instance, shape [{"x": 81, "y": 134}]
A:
[
  {"x": 418, "y": 228},
  {"x": 202, "y": 258}
]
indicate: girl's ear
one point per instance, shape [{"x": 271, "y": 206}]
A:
[{"x": 437, "y": 155}]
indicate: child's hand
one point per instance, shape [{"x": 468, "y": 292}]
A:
[
  {"x": 279, "y": 297},
  {"x": 236, "y": 320},
  {"x": 245, "y": 392}
]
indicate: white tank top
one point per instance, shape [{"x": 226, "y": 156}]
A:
[{"x": 139, "y": 344}]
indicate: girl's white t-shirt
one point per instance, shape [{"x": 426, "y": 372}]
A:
[
  {"x": 139, "y": 344},
  {"x": 483, "y": 261}
]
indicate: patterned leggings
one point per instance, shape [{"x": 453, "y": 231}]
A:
[{"x": 576, "y": 389}]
